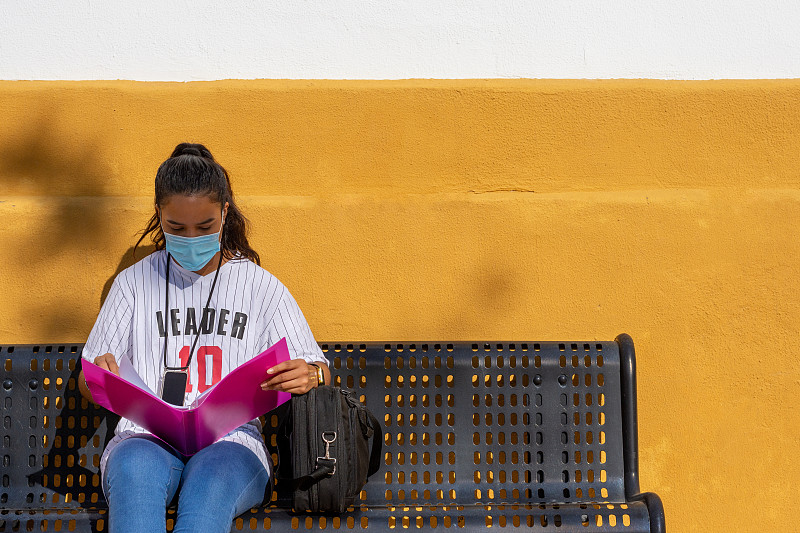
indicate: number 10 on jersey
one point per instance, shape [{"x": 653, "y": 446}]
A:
[{"x": 206, "y": 367}]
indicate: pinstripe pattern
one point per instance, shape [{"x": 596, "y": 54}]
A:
[{"x": 128, "y": 326}]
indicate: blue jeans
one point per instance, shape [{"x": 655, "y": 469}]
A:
[{"x": 215, "y": 485}]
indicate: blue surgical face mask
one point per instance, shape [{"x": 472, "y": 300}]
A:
[{"x": 193, "y": 253}]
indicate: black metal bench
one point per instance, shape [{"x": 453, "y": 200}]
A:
[{"x": 477, "y": 435}]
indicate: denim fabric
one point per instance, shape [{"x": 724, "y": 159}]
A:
[{"x": 143, "y": 476}]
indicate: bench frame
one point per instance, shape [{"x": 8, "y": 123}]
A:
[{"x": 75, "y": 502}]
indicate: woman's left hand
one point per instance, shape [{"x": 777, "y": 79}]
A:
[{"x": 295, "y": 376}]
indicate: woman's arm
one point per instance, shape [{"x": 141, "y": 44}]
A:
[
  {"x": 106, "y": 362},
  {"x": 297, "y": 375}
]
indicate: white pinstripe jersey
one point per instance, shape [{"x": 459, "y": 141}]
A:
[{"x": 250, "y": 310}]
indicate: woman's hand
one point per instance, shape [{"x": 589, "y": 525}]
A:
[
  {"x": 107, "y": 362},
  {"x": 295, "y": 376}
]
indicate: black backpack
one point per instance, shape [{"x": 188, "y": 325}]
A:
[{"x": 324, "y": 450}]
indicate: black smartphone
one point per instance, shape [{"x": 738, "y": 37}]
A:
[{"x": 173, "y": 389}]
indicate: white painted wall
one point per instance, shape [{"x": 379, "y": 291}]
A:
[{"x": 184, "y": 40}]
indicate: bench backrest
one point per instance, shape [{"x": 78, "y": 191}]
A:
[{"x": 464, "y": 423}]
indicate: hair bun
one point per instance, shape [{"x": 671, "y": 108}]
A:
[{"x": 191, "y": 150}]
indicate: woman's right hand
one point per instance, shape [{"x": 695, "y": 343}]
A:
[{"x": 107, "y": 362}]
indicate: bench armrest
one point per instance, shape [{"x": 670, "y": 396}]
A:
[{"x": 655, "y": 509}]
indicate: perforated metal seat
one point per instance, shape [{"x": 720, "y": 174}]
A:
[{"x": 477, "y": 435}]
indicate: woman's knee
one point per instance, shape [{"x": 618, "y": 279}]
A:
[
  {"x": 141, "y": 462},
  {"x": 210, "y": 502},
  {"x": 223, "y": 460},
  {"x": 228, "y": 468}
]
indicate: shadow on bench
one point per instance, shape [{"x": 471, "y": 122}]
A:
[{"x": 504, "y": 435}]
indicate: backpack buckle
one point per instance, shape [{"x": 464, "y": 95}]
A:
[{"x": 329, "y": 437}]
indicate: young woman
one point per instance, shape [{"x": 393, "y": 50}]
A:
[{"x": 195, "y": 309}]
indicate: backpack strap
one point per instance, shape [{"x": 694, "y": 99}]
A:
[
  {"x": 284, "y": 430},
  {"x": 377, "y": 444},
  {"x": 324, "y": 468}
]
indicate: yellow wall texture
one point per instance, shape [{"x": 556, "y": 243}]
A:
[{"x": 462, "y": 210}]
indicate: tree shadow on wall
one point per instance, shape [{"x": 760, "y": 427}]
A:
[
  {"x": 67, "y": 211},
  {"x": 72, "y": 176}
]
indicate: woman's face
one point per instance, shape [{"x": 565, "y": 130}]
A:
[{"x": 191, "y": 216}]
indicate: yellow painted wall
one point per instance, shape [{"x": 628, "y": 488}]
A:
[{"x": 456, "y": 210}]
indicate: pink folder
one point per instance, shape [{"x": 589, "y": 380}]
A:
[{"x": 234, "y": 400}]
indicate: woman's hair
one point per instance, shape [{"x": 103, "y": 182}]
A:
[{"x": 191, "y": 170}]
